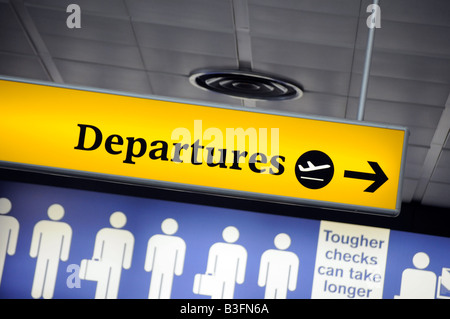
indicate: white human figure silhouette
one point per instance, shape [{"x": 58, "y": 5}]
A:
[
  {"x": 114, "y": 247},
  {"x": 50, "y": 242},
  {"x": 418, "y": 283},
  {"x": 227, "y": 262},
  {"x": 164, "y": 258},
  {"x": 9, "y": 231},
  {"x": 278, "y": 269}
]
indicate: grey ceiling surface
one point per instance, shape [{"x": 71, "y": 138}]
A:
[{"x": 152, "y": 46}]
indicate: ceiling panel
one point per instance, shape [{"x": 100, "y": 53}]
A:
[
  {"x": 176, "y": 62},
  {"x": 52, "y": 21},
  {"x": 302, "y": 54},
  {"x": 415, "y": 158},
  {"x": 420, "y": 135},
  {"x": 447, "y": 143},
  {"x": 340, "y": 7},
  {"x": 311, "y": 104},
  {"x": 211, "y": 15},
  {"x": 442, "y": 170},
  {"x": 413, "y": 171},
  {"x": 12, "y": 35},
  {"x": 409, "y": 186},
  {"x": 416, "y": 154},
  {"x": 103, "y": 76},
  {"x": 405, "y": 66},
  {"x": 93, "y": 51},
  {"x": 314, "y": 80},
  {"x": 399, "y": 113},
  {"x": 15, "y": 41},
  {"x": 409, "y": 38},
  {"x": 436, "y": 194},
  {"x": 112, "y": 8},
  {"x": 431, "y": 12},
  {"x": 185, "y": 39},
  {"x": 402, "y": 90},
  {"x": 295, "y": 25},
  {"x": 25, "y": 66}
]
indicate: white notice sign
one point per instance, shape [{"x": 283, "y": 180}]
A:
[{"x": 350, "y": 261}]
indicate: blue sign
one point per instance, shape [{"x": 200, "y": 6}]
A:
[{"x": 67, "y": 243}]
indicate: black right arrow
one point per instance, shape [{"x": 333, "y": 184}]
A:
[{"x": 378, "y": 177}]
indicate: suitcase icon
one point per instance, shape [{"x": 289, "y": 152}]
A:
[
  {"x": 206, "y": 284},
  {"x": 93, "y": 269}
]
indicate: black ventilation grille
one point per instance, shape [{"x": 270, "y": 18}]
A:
[{"x": 248, "y": 85}]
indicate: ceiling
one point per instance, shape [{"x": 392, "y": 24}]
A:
[{"x": 152, "y": 46}]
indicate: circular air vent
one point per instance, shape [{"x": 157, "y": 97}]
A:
[{"x": 242, "y": 84}]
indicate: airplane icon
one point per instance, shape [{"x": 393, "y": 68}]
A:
[
  {"x": 311, "y": 167},
  {"x": 314, "y": 176}
]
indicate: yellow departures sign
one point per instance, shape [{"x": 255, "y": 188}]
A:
[{"x": 274, "y": 157}]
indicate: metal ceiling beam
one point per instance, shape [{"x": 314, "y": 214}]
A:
[
  {"x": 138, "y": 45},
  {"x": 437, "y": 144},
  {"x": 242, "y": 30},
  {"x": 244, "y": 54},
  {"x": 35, "y": 40}
]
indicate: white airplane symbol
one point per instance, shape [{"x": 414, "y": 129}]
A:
[{"x": 311, "y": 167}]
